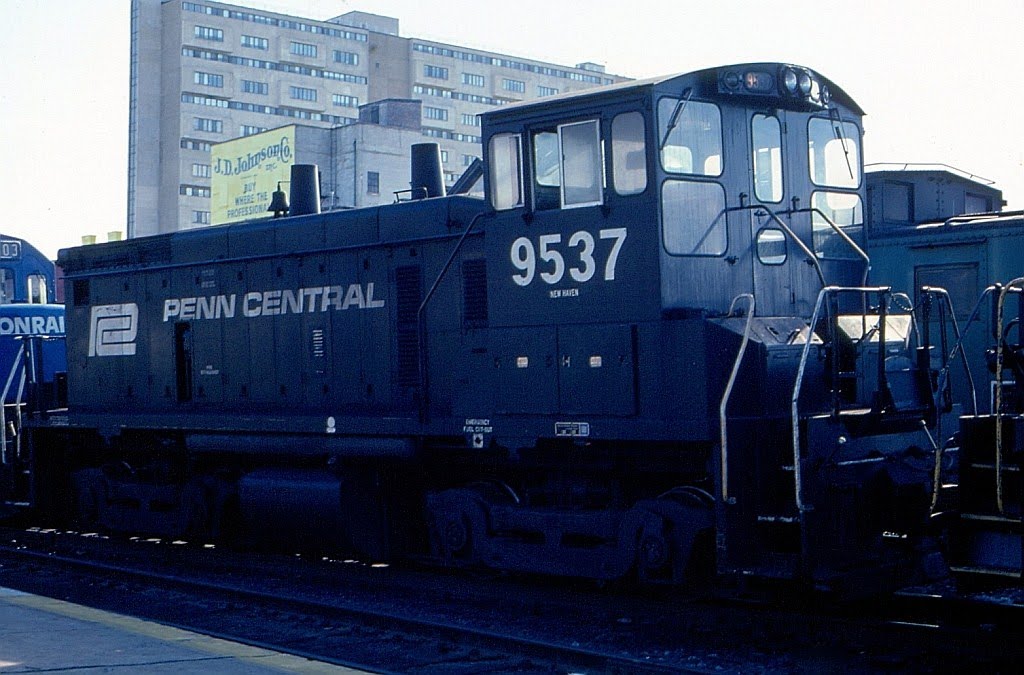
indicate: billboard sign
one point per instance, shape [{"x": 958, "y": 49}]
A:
[{"x": 245, "y": 173}]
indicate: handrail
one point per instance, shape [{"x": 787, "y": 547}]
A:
[
  {"x": 723, "y": 406},
  {"x": 792, "y": 235},
  {"x": 798, "y": 384},
  {"x": 998, "y": 403},
  {"x": 795, "y": 405},
  {"x": 421, "y": 333},
  {"x": 959, "y": 345},
  {"x": 958, "y": 348},
  {"x": 926, "y": 166},
  {"x": 845, "y": 237},
  {"x": 18, "y": 363}
]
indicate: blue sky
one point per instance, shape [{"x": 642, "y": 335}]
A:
[{"x": 938, "y": 79}]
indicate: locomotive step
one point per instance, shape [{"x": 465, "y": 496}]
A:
[
  {"x": 976, "y": 570},
  {"x": 995, "y": 521},
  {"x": 992, "y": 467}
]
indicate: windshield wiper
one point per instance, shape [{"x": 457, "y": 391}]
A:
[
  {"x": 674, "y": 119},
  {"x": 840, "y": 134}
]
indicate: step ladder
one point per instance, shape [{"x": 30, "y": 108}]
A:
[{"x": 987, "y": 542}]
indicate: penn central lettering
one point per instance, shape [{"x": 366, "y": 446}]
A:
[{"x": 272, "y": 303}]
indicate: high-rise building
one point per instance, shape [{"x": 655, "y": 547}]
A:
[{"x": 206, "y": 72}]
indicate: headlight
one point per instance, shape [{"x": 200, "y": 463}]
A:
[
  {"x": 789, "y": 80},
  {"x": 815, "y": 91},
  {"x": 826, "y": 95},
  {"x": 805, "y": 84}
]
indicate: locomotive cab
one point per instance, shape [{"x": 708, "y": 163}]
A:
[{"x": 728, "y": 191}]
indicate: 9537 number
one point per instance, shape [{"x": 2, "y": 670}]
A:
[{"x": 548, "y": 257}]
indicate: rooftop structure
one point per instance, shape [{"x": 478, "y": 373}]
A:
[{"x": 207, "y": 72}]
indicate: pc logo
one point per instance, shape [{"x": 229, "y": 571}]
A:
[{"x": 112, "y": 330}]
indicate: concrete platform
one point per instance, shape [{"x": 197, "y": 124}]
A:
[{"x": 41, "y": 634}]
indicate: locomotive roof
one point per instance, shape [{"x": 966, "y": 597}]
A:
[{"x": 707, "y": 75}]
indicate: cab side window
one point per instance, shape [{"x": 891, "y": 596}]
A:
[
  {"x": 582, "y": 168},
  {"x": 6, "y": 285},
  {"x": 506, "y": 171},
  {"x": 629, "y": 154},
  {"x": 568, "y": 166},
  {"x": 37, "y": 289}
]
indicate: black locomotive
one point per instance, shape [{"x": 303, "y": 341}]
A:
[{"x": 651, "y": 350}]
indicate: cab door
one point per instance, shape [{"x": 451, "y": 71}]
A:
[{"x": 774, "y": 253}]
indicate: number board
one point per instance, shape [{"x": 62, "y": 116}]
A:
[{"x": 10, "y": 249}]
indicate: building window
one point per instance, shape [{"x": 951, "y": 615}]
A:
[
  {"x": 473, "y": 79},
  {"x": 208, "y": 33},
  {"x": 249, "y": 130},
  {"x": 303, "y": 49},
  {"x": 255, "y": 42},
  {"x": 209, "y": 79},
  {"x": 208, "y": 125},
  {"x": 471, "y": 120},
  {"x": 467, "y": 160},
  {"x": 347, "y": 58},
  {"x": 193, "y": 144},
  {"x": 200, "y": 217},
  {"x": 302, "y": 93},
  {"x": 372, "y": 182},
  {"x": 546, "y": 91},
  {"x": 517, "y": 86},
  {"x": 251, "y": 87},
  {"x": 201, "y": 170},
  {"x": 345, "y": 100},
  {"x": 194, "y": 191},
  {"x": 432, "y": 113},
  {"x": 436, "y": 72}
]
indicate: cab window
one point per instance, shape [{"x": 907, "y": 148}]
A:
[
  {"x": 506, "y": 171},
  {"x": 37, "y": 289},
  {"x": 833, "y": 151},
  {"x": 568, "y": 167},
  {"x": 582, "y": 170},
  {"x": 690, "y": 135},
  {"x": 693, "y": 218},
  {"x": 629, "y": 154},
  {"x": 6, "y": 285},
  {"x": 766, "y": 137}
]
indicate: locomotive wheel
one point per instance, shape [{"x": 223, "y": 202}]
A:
[
  {"x": 89, "y": 491},
  {"x": 457, "y": 521},
  {"x": 673, "y": 538},
  {"x": 197, "y": 516}
]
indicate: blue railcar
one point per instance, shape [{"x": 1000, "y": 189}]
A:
[
  {"x": 933, "y": 226},
  {"x": 651, "y": 350},
  {"x": 32, "y": 359}
]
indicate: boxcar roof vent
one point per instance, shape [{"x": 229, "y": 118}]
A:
[{"x": 427, "y": 178}]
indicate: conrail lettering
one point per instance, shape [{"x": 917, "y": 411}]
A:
[
  {"x": 32, "y": 325},
  {"x": 272, "y": 303}
]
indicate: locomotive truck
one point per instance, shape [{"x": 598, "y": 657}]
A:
[{"x": 651, "y": 350}]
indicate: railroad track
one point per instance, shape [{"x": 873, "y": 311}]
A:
[
  {"x": 428, "y": 645},
  {"x": 389, "y": 620}
]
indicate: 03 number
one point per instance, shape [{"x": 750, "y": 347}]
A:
[{"x": 524, "y": 256}]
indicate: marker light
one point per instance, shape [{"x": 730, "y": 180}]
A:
[
  {"x": 731, "y": 80},
  {"x": 789, "y": 80},
  {"x": 826, "y": 95}
]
